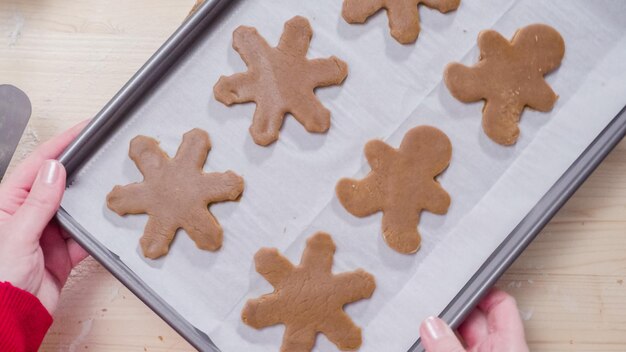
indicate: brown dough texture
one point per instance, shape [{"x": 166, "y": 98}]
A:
[
  {"x": 280, "y": 80},
  {"x": 509, "y": 76},
  {"x": 308, "y": 299},
  {"x": 401, "y": 184},
  {"x": 404, "y": 17},
  {"x": 175, "y": 193}
]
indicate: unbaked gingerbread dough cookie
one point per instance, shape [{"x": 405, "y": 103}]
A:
[
  {"x": 308, "y": 299},
  {"x": 280, "y": 80},
  {"x": 175, "y": 193},
  {"x": 401, "y": 184},
  {"x": 404, "y": 17},
  {"x": 509, "y": 76}
]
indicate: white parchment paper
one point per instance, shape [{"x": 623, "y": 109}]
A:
[{"x": 289, "y": 191}]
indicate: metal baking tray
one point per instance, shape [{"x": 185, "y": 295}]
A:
[{"x": 148, "y": 77}]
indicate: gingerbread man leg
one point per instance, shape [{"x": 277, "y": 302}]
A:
[
  {"x": 501, "y": 121},
  {"x": 404, "y": 20},
  {"x": 400, "y": 230},
  {"x": 358, "y": 11}
]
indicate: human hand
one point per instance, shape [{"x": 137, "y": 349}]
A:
[
  {"x": 495, "y": 325},
  {"x": 36, "y": 255}
]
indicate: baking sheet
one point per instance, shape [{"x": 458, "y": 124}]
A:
[{"x": 290, "y": 186}]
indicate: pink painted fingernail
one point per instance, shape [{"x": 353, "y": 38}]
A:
[
  {"x": 436, "y": 328},
  {"x": 49, "y": 172}
]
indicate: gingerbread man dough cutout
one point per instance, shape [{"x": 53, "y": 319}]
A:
[
  {"x": 308, "y": 299},
  {"x": 404, "y": 17},
  {"x": 509, "y": 76},
  {"x": 401, "y": 184},
  {"x": 175, "y": 193},
  {"x": 280, "y": 80}
]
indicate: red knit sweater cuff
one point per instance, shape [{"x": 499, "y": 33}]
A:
[{"x": 24, "y": 321}]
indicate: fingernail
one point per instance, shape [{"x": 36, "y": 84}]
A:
[
  {"x": 436, "y": 328},
  {"x": 49, "y": 172}
]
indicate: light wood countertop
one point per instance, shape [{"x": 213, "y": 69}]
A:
[{"x": 72, "y": 56}]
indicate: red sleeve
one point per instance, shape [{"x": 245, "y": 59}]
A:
[{"x": 24, "y": 321}]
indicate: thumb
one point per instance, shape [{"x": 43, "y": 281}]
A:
[
  {"x": 42, "y": 201},
  {"x": 438, "y": 337}
]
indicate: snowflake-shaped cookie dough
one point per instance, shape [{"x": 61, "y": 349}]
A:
[
  {"x": 175, "y": 193},
  {"x": 401, "y": 184},
  {"x": 404, "y": 17},
  {"x": 308, "y": 299},
  {"x": 280, "y": 80}
]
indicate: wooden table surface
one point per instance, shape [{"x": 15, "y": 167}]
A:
[{"x": 71, "y": 57}]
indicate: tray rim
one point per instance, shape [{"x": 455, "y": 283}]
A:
[{"x": 158, "y": 66}]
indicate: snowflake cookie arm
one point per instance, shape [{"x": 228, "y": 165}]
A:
[
  {"x": 157, "y": 236},
  {"x": 266, "y": 123},
  {"x": 274, "y": 267},
  {"x": 262, "y": 312},
  {"x": 327, "y": 72},
  {"x": 193, "y": 149},
  {"x": 298, "y": 339},
  {"x": 318, "y": 254},
  {"x": 342, "y": 331},
  {"x": 147, "y": 155},
  {"x": 296, "y": 37},
  {"x": 203, "y": 229},
  {"x": 354, "y": 286},
  {"x": 221, "y": 186},
  {"x": 442, "y": 6},
  {"x": 129, "y": 199}
]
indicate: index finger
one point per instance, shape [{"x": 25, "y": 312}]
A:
[{"x": 24, "y": 174}]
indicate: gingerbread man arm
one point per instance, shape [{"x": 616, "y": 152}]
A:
[
  {"x": 404, "y": 20},
  {"x": 318, "y": 254},
  {"x": 203, "y": 229},
  {"x": 262, "y": 312},
  {"x": 542, "y": 97},
  {"x": 129, "y": 199},
  {"x": 296, "y": 37},
  {"x": 359, "y": 196},
  {"x": 274, "y": 267},
  {"x": 193, "y": 149},
  {"x": 438, "y": 199},
  {"x": 400, "y": 230},
  {"x": 157, "y": 237},
  {"x": 377, "y": 152},
  {"x": 342, "y": 331},
  {"x": 460, "y": 81},
  {"x": 442, "y": 6},
  {"x": 492, "y": 43},
  {"x": 147, "y": 155},
  {"x": 354, "y": 286},
  {"x": 358, "y": 11}
]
